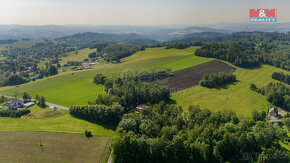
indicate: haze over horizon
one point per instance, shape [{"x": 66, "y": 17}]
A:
[{"x": 134, "y": 12}]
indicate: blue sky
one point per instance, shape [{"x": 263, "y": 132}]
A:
[{"x": 134, "y": 12}]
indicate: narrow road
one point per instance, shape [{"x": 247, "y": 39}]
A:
[
  {"x": 57, "y": 106},
  {"x": 47, "y": 103}
]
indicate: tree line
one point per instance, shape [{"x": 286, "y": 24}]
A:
[
  {"x": 277, "y": 94},
  {"x": 164, "y": 133},
  {"x": 217, "y": 79},
  {"x": 285, "y": 78},
  {"x": 98, "y": 113},
  {"x": 14, "y": 113}
]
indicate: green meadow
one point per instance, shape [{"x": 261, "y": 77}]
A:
[
  {"x": 80, "y": 56},
  {"x": 76, "y": 92},
  {"x": 237, "y": 97},
  {"x": 53, "y": 121}
]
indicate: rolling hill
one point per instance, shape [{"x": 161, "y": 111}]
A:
[{"x": 66, "y": 89}]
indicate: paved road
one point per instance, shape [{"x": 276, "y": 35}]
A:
[
  {"x": 47, "y": 103},
  {"x": 57, "y": 106}
]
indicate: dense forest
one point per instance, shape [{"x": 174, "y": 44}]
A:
[
  {"x": 130, "y": 93},
  {"x": 163, "y": 133},
  {"x": 115, "y": 52},
  {"x": 251, "y": 49}
]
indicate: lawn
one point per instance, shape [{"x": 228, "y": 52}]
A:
[
  {"x": 53, "y": 121},
  {"x": 57, "y": 147},
  {"x": 237, "y": 97},
  {"x": 77, "y": 88}
]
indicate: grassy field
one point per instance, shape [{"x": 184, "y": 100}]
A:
[
  {"x": 53, "y": 121},
  {"x": 77, "y": 92},
  {"x": 57, "y": 147},
  {"x": 66, "y": 89},
  {"x": 185, "y": 62},
  {"x": 237, "y": 97},
  {"x": 72, "y": 56}
]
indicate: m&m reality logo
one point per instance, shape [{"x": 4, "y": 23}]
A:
[{"x": 263, "y": 15}]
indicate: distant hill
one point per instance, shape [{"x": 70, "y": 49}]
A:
[
  {"x": 159, "y": 33},
  {"x": 81, "y": 39},
  {"x": 190, "y": 30},
  {"x": 193, "y": 37}
]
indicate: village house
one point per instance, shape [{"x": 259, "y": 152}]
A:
[
  {"x": 15, "y": 104},
  {"x": 141, "y": 107},
  {"x": 273, "y": 113},
  {"x": 86, "y": 65}
]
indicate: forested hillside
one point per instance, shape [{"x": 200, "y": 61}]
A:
[{"x": 251, "y": 49}]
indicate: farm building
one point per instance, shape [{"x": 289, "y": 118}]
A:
[
  {"x": 29, "y": 104},
  {"x": 15, "y": 104}
]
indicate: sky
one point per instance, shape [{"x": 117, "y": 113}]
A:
[{"x": 135, "y": 12}]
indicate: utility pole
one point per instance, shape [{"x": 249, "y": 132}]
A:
[{"x": 40, "y": 143}]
